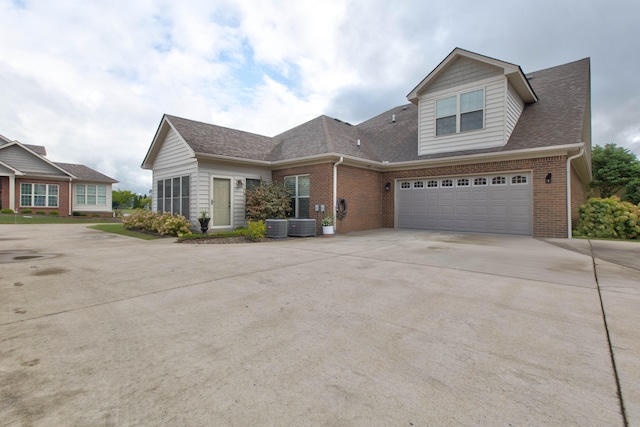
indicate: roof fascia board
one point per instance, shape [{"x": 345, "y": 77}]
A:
[
  {"x": 160, "y": 135},
  {"x": 384, "y": 166},
  {"x": 529, "y": 153},
  {"x": 231, "y": 159},
  {"x": 11, "y": 168},
  {"x": 510, "y": 70}
]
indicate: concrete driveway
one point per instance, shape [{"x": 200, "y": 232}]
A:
[{"x": 388, "y": 327}]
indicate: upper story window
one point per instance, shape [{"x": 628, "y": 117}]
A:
[{"x": 460, "y": 113}]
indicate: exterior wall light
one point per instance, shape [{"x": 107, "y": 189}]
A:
[
  {"x": 387, "y": 186},
  {"x": 548, "y": 178}
]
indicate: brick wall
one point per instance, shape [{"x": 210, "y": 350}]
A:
[
  {"x": 549, "y": 200},
  {"x": 579, "y": 195},
  {"x": 320, "y": 180},
  {"x": 63, "y": 196},
  {"x": 4, "y": 192},
  {"x": 371, "y": 206},
  {"x": 362, "y": 190}
]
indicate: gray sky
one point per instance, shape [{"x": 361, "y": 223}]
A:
[{"x": 91, "y": 80}]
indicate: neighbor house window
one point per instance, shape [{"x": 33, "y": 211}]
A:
[
  {"x": 460, "y": 113},
  {"x": 92, "y": 195},
  {"x": 299, "y": 187},
  {"x": 39, "y": 195},
  {"x": 173, "y": 195}
]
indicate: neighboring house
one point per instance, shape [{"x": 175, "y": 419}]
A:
[
  {"x": 29, "y": 180},
  {"x": 481, "y": 147}
]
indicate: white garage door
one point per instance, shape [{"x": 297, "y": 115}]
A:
[{"x": 477, "y": 203}]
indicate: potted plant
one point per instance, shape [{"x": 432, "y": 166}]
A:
[
  {"x": 327, "y": 225},
  {"x": 204, "y": 222}
]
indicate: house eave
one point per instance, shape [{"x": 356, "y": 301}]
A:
[{"x": 529, "y": 153}]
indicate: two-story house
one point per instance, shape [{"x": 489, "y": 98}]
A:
[
  {"x": 29, "y": 180},
  {"x": 480, "y": 147}
]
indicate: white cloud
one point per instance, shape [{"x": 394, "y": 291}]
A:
[{"x": 91, "y": 80}]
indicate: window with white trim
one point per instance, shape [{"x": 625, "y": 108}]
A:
[
  {"x": 432, "y": 184},
  {"x": 299, "y": 187},
  {"x": 462, "y": 182},
  {"x": 252, "y": 183},
  {"x": 405, "y": 184},
  {"x": 91, "y": 195},
  {"x": 460, "y": 113},
  {"x": 479, "y": 181},
  {"x": 39, "y": 195},
  {"x": 519, "y": 179},
  {"x": 418, "y": 184},
  {"x": 498, "y": 180},
  {"x": 447, "y": 183},
  {"x": 173, "y": 195}
]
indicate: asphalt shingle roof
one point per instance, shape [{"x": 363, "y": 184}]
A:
[
  {"x": 85, "y": 173},
  {"x": 556, "y": 119}
]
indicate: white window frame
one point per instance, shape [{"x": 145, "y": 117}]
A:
[
  {"x": 51, "y": 196},
  {"x": 296, "y": 197},
  {"x": 184, "y": 200},
  {"x": 459, "y": 111},
  {"x": 97, "y": 198}
]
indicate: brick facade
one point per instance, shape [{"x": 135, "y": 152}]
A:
[
  {"x": 371, "y": 206},
  {"x": 63, "y": 196},
  {"x": 4, "y": 192}
]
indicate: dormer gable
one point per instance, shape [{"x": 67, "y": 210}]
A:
[{"x": 469, "y": 101}]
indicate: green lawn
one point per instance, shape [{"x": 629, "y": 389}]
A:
[{"x": 117, "y": 228}]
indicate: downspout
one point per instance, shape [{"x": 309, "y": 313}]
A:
[
  {"x": 569, "y": 190},
  {"x": 70, "y": 198},
  {"x": 335, "y": 190}
]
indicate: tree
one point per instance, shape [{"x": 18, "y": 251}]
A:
[
  {"x": 268, "y": 200},
  {"x": 122, "y": 198},
  {"x": 614, "y": 168}
]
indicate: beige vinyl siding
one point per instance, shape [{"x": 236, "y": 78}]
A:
[
  {"x": 18, "y": 158},
  {"x": 175, "y": 159},
  {"x": 234, "y": 173},
  {"x": 174, "y": 152},
  {"x": 188, "y": 169},
  {"x": 514, "y": 107},
  {"x": 491, "y": 136},
  {"x": 91, "y": 208},
  {"x": 463, "y": 71}
]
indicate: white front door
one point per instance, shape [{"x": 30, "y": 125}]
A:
[{"x": 221, "y": 202}]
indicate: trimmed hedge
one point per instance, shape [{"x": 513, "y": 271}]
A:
[
  {"x": 164, "y": 224},
  {"x": 608, "y": 218}
]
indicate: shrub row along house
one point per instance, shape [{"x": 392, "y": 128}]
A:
[
  {"x": 480, "y": 147},
  {"x": 28, "y": 180}
]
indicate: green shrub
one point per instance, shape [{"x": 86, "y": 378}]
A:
[
  {"x": 54, "y": 213},
  {"x": 6, "y": 211},
  {"x": 95, "y": 215},
  {"x": 608, "y": 218},
  {"x": 78, "y": 214},
  {"x": 256, "y": 230},
  {"x": 161, "y": 223},
  {"x": 26, "y": 211},
  {"x": 268, "y": 200},
  {"x": 41, "y": 213}
]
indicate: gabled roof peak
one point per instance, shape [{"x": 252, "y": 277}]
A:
[{"x": 512, "y": 71}]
